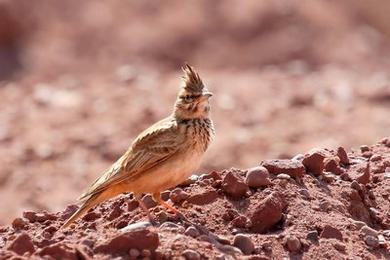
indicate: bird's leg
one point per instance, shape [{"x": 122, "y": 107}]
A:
[
  {"x": 144, "y": 208},
  {"x": 158, "y": 199}
]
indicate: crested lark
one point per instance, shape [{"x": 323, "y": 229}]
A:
[{"x": 162, "y": 156}]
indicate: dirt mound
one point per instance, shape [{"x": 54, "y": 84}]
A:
[{"x": 337, "y": 207}]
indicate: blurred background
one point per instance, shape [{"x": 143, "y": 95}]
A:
[{"x": 80, "y": 79}]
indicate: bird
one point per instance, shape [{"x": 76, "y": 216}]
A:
[{"x": 162, "y": 156}]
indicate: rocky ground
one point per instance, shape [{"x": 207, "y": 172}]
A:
[{"x": 325, "y": 204}]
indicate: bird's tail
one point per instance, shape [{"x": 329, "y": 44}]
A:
[{"x": 88, "y": 204}]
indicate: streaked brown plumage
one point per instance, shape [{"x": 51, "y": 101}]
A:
[{"x": 162, "y": 156}]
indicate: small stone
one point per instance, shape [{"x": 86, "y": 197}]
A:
[
  {"x": 314, "y": 161},
  {"x": 146, "y": 253},
  {"x": 293, "y": 244},
  {"x": 134, "y": 253},
  {"x": 364, "y": 178},
  {"x": 162, "y": 216},
  {"x": 244, "y": 243},
  {"x": 22, "y": 244},
  {"x": 364, "y": 148},
  {"x": 234, "y": 185},
  {"x": 345, "y": 177},
  {"x": 267, "y": 212},
  {"x": 293, "y": 168},
  {"x": 190, "y": 254},
  {"x": 367, "y": 154},
  {"x": 356, "y": 186},
  {"x": 331, "y": 164},
  {"x": 371, "y": 241},
  {"x": 328, "y": 177},
  {"x": 339, "y": 246},
  {"x": 192, "y": 232},
  {"x": 375, "y": 158},
  {"x": 381, "y": 240},
  {"x": 257, "y": 177},
  {"x": 312, "y": 235},
  {"x": 165, "y": 195},
  {"x": 178, "y": 195},
  {"x": 19, "y": 223},
  {"x": 342, "y": 154},
  {"x": 191, "y": 180},
  {"x": 240, "y": 222},
  {"x": 172, "y": 227},
  {"x": 149, "y": 201},
  {"x": 283, "y": 176},
  {"x": 367, "y": 231},
  {"x": 202, "y": 198},
  {"x": 132, "y": 205},
  {"x": 331, "y": 232},
  {"x": 358, "y": 224}
]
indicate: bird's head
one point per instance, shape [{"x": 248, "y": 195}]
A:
[{"x": 193, "y": 99}]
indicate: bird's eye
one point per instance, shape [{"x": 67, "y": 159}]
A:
[{"x": 188, "y": 99}]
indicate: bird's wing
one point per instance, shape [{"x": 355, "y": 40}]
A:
[{"x": 152, "y": 147}]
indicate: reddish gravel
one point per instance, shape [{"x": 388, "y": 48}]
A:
[{"x": 315, "y": 214}]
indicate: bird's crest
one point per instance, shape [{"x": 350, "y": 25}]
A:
[{"x": 191, "y": 80}]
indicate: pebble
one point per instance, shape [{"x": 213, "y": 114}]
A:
[
  {"x": 234, "y": 185},
  {"x": 331, "y": 232},
  {"x": 240, "y": 221},
  {"x": 267, "y": 212},
  {"x": 367, "y": 231},
  {"x": 364, "y": 148},
  {"x": 381, "y": 240},
  {"x": 257, "y": 177},
  {"x": 190, "y": 254},
  {"x": 371, "y": 241},
  {"x": 293, "y": 244},
  {"x": 204, "y": 197},
  {"x": 312, "y": 235},
  {"x": 165, "y": 195},
  {"x": 283, "y": 176},
  {"x": 244, "y": 243},
  {"x": 192, "y": 232},
  {"x": 364, "y": 178},
  {"x": 293, "y": 168},
  {"x": 342, "y": 154},
  {"x": 332, "y": 165},
  {"x": 375, "y": 158},
  {"x": 19, "y": 223},
  {"x": 133, "y": 252},
  {"x": 178, "y": 195},
  {"x": 339, "y": 246},
  {"x": 191, "y": 180},
  {"x": 22, "y": 244},
  {"x": 149, "y": 201},
  {"x": 314, "y": 161}
]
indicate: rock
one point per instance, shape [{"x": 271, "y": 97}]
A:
[
  {"x": 371, "y": 241},
  {"x": 149, "y": 201},
  {"x": 91, "y": 216},
  {"x": 314, "y": 161},
  {"x": 190, "y": 254},
  {"x": 122, "y": 242},
  {"x": 58, "y": 251},
  {"x": 381, "y": 240},
  {"x": 364, "y": 178},
  {"x": 293, "y": 168},
  {"x": 203, "y": 198},
  {"x": 244, "y": 243},
  {"x": 257, "y": 177},
  {"x": 358, "y": 224},
  {"x": 172, "y": 227},
  {"x": 213, "y": 175},
  {"x": 69, "y": 211},
  {"x": 134, "y": 253},
  {"x": 234, "y": 185},
  {"x": 375, "y": 158},
  {"x": 146, "y": 253},
  {"x": 230, "y": 250},
  {"x": 342, "y": 154},
  {"x": 292, "y": 243},
  {"x": 138, "y": 226},
  {"x": 165, "y": 195},
  {"x": 356, "y": 186},
  {"x": 332, "y": 165},
  {"x": 312, "y": 235},
  {"x": 38, "y": 216},
  {"x": 19, "y": 223},
  {"x": 178, "y": 195},
  {"x": 192, "y": 232},
  {"x": 191, "y": 180},
  {"x": 345, "y": 177},
  {"x": 283, "y": 176},
  {"x": 364, "y": 148},
  {"x": 22, "y": 244},
  {"x": 115, "y": 213},
  {"x": 240, "y": 221},
  {"x": 331, "y": 232},
  {"x": 267, "y": 212},
  {"x": 339, "y": 246},
  {"x": 367, "y": 231}
]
